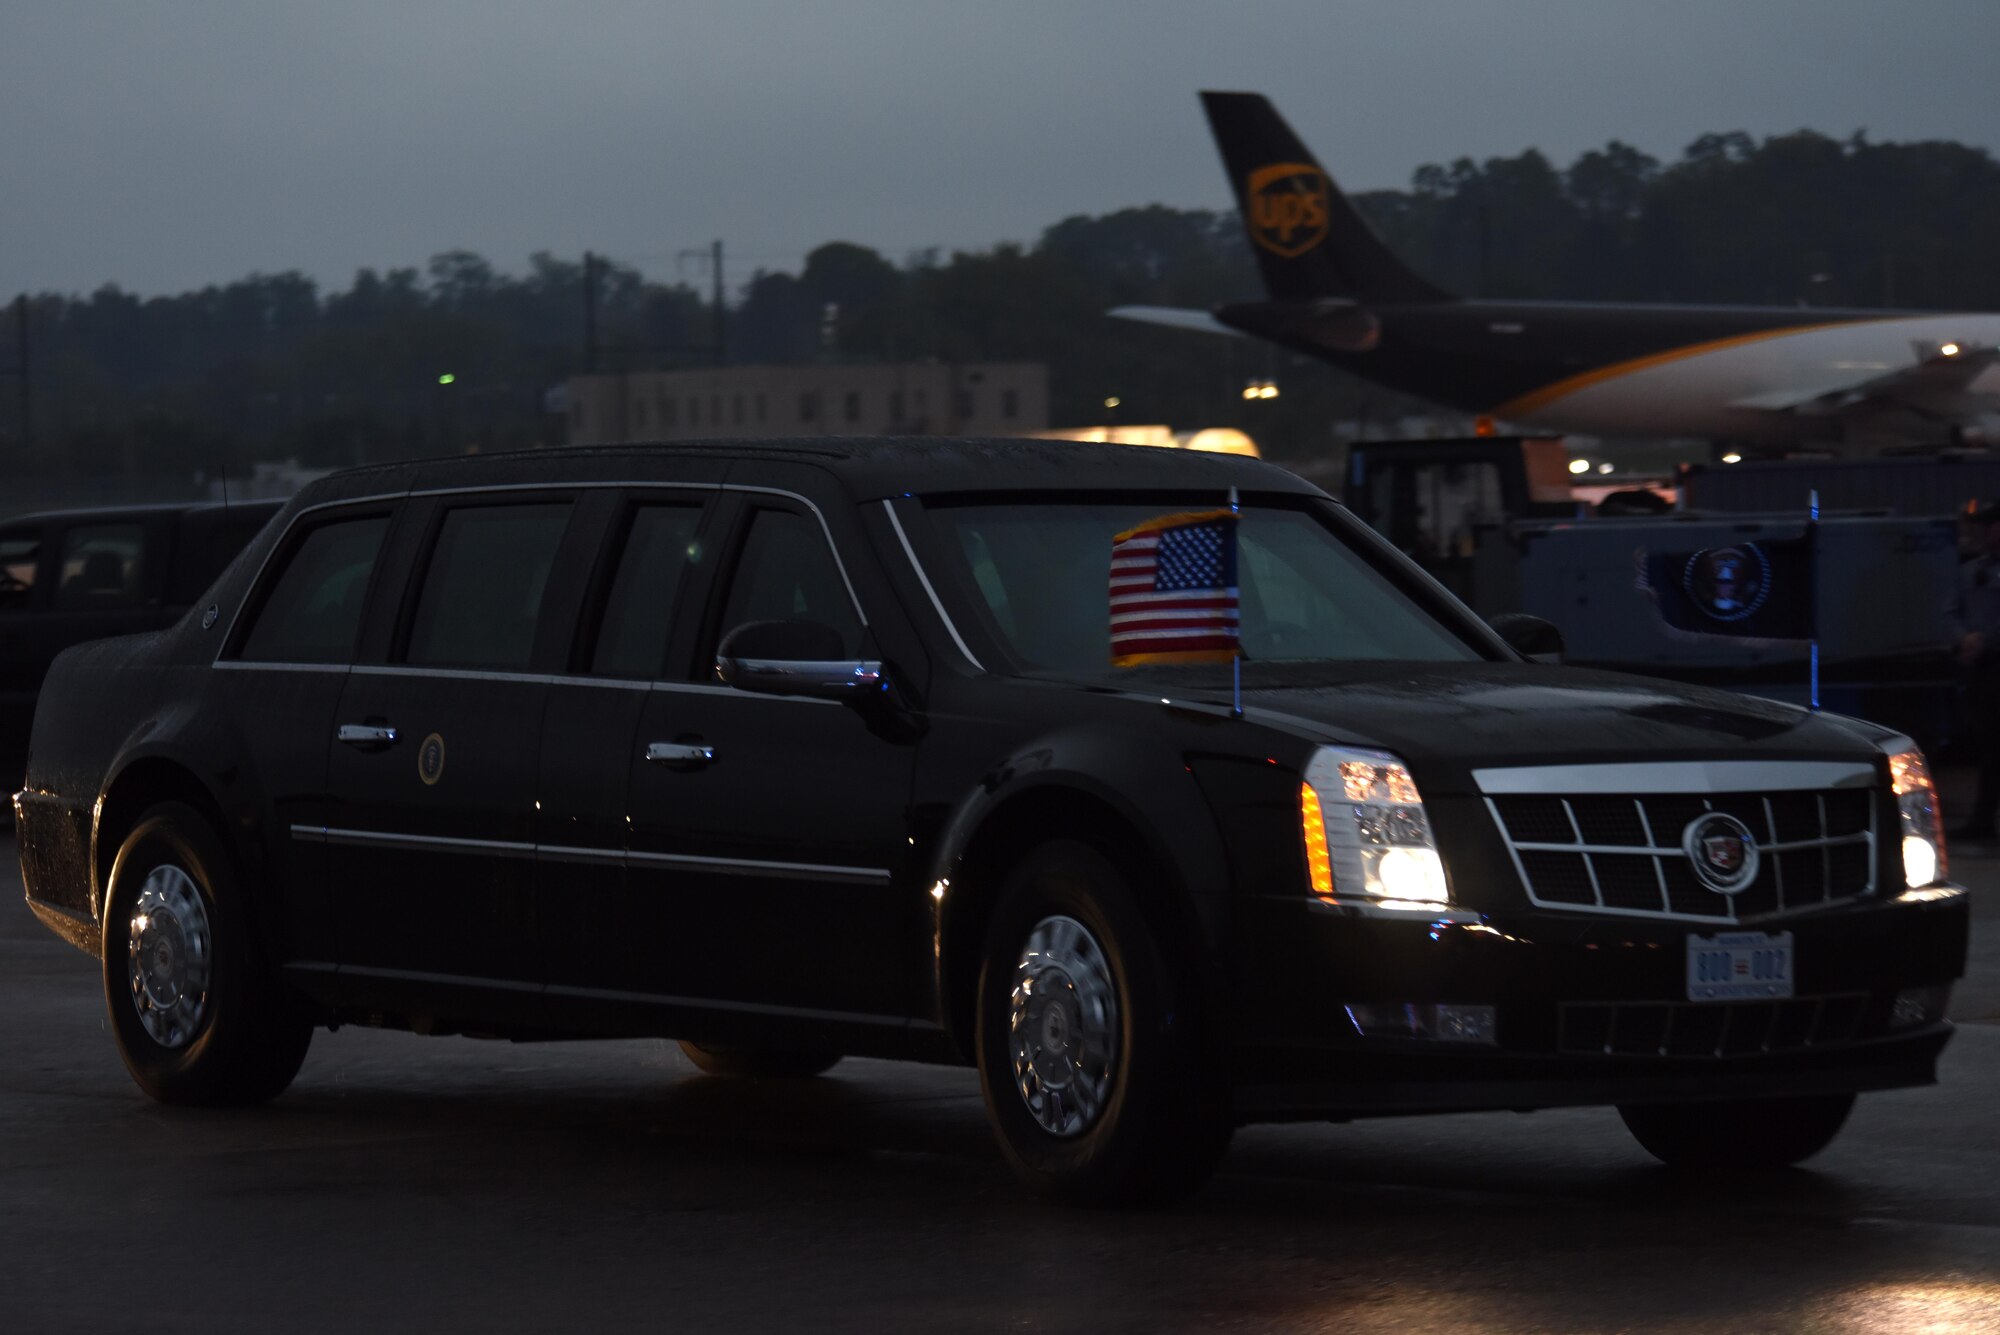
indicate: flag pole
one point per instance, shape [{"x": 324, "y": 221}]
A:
[
  {"x": 1236, "y": 659},
  {"x": 1812, "y": 594}
]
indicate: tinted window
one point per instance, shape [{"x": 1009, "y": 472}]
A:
[
  {"x": 786, "y": 573},
  {"x": 20, "y": 554},
  {"x": 100, "y": 566},
  {"x": 313, "y": 610},
  {"x": 632, "y": 641},
  {"x": 483, "y": 588}
]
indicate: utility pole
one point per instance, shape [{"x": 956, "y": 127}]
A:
[
  {"x": 21, "y": 398},
  {"x": 713, "y": 257},
  {"x": 589, "y": 313}
]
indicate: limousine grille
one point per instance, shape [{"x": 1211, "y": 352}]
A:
[
  {"x": 1624, "y": 855},
  {"x": 1709, "y": 1029}
]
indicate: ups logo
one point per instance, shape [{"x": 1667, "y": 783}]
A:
[{"x": 1287, "y": 202}]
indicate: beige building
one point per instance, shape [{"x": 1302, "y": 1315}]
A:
[{"x": 863, "y": 399}]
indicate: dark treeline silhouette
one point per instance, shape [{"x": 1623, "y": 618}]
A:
[{"x": 271, "y": 367}]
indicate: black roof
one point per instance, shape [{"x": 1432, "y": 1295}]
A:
[{"x": 869, "y": 467}]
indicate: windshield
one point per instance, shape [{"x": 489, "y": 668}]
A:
[{"x": 1040, "y": 574}]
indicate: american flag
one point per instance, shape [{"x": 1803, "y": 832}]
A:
[{"x": 1173, "y": 590}]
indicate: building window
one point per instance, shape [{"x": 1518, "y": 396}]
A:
[
  {"x": 667, "y": 410},
  {"x": 961, "y": 404},
  {"x": 736, "y": 410},
  {"x": 760, "y": 408},
  {"x": 851, "y": 409},
  {"x": 808, "y": 406},
  {"x": 715, "y": 409},
  {"x": 1010, "y": 404},
  {"x": 923, "y": 398},
  {"x": 895, "y": 407}
]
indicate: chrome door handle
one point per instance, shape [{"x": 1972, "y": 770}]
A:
[
  {"x": 680, "y": 753},
  {"x": 366, "y": 735}
]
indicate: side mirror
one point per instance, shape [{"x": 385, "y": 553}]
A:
[
  {"x": 1530, "y": 637},
  {"x": 795, "y": 658}
]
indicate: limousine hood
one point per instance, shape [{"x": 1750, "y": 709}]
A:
[{"x": 1448, "y": 720}]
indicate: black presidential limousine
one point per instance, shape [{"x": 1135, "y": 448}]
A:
[{"x": 802, "y": 749}]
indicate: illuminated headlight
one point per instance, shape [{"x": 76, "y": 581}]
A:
[
  {"x": 1921, "y": 823},
  {"x": 1366, "y": 834}
]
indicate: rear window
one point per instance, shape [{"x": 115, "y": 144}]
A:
[
  {"x": 100, "y": 567},
  {"x": 482, "y": 592},
  {"x": 20, "y": 556},
  {"x": 313, "y": 611}
]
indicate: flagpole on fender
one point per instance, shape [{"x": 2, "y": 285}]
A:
[
  {"x": 1236, "y": 659},
  {"x": 1812, "y": 595}
]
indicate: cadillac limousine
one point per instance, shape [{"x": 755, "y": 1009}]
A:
[{"x": 799, "y": 750}]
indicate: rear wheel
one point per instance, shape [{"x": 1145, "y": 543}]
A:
[
  {"x": 784, "y": 1063},
  {"x": 198, "y": 1014},
  {"x": 1097, "y": 1079},
  {"x": 1739, "y": 1133}
]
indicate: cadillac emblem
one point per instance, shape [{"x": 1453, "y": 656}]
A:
[{"x": 1722, "y": 852}]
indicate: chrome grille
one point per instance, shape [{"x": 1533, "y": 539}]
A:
[{"x": 1623, "y": 854}]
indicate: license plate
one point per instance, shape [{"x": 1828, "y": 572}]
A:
[{"x": 1739, "y": 966}]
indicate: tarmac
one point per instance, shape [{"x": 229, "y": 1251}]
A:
[{"x": 409, "y": 1183}]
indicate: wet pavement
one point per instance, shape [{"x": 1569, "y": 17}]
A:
[{"x": 408, "y": 1183}]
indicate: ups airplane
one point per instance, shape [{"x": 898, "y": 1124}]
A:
[{"x": 1772, "y": 374}]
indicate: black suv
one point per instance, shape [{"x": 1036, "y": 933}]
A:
[
  {"x": 798, "y": 750},
  {"x": 67, "y": 576}
]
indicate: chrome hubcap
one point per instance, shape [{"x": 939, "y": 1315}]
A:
[
  {"x": 1064, "y": 1024},
  {"x": 169, "y": 954}
]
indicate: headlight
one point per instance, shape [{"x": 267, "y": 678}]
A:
[
  {"x": 1366, "y": 834},
  {"x": 1922, "y": 824}
]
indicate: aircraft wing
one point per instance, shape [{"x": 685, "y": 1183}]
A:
[
  {"x": 1938, "y": 385},
  {"x": 1174, "y": 317}
]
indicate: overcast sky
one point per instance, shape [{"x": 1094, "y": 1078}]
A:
[{"x": 166, "y": 144}]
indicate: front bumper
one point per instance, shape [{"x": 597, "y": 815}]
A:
[{"x": 1590, "y": 1009}]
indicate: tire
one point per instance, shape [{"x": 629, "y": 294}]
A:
[
  {"x": 755, "y": 1062},
  {"x": 1741, "y": 1133},
  {"x": 208, "y": 1022},
  {"x": 1116, "y": 1099}
]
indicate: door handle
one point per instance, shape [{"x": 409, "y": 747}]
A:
[
  {"x": 688, "y": 754},
  {"x": 367, "y": 736}
]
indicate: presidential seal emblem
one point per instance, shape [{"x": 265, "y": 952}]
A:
[
  {"x": 1287, "y": 203},
  {"x": 1722, "y": 852},
  {"x": 1728, "y": 583},
  {"x": 430, "y": 759}
]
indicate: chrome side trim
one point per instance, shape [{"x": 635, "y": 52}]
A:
[
  {"x": 239, "y": 665},
  {"x": 1679, "y": 776},
  {"x": 753, "y": 867},
  {"x": 924, "y": 578},
  {"x": 563, "y": 853}
]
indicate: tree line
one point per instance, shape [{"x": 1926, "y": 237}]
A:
[{"x": 273, "y": 367}]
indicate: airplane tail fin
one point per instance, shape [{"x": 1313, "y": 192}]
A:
[{"x": 1309, "y": 241}]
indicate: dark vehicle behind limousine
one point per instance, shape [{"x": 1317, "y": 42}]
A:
[
  {"x": 67, "y": 576},
  {"x": 798, "y": 750}
]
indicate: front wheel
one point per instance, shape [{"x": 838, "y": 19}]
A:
[
  {"x": 1738, "y": 1133},
  {"x": 198, "y": 1014},
  {"x": 1097, "y": 1078}
]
